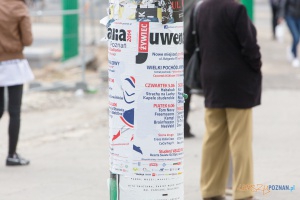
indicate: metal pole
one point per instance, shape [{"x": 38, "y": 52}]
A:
[
  {"x": 92, "y": 19},
  {"x": 113, "y": 186},
  {"x": 83, "y": 40},
  {"x": 54, "y": 12}
]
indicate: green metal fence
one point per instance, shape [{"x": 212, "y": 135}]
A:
[
  {"x": 70, "y": 30},
  {"x": 249, "y": 4}
]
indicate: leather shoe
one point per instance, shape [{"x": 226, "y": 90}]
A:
[{"x": 189, "y": 135}]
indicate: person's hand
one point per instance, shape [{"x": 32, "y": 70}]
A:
[{"x": 280, "y": 20}]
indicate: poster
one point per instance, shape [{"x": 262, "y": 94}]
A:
[
  {"x": 162, "y": 189},
  {"x": 145, "y": 53}
]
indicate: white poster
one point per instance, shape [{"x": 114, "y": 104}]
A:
[
  {"x": 145, "y": 53},
  {"x": 146, "y": 97},
  {"x": 143, "y": 188}
]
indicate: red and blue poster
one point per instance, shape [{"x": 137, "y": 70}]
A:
[{"x": 145, "y": 53}]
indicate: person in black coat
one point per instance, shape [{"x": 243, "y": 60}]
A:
[
  {"x": 275, "y": 7},
  {"x": 188, "y": 6},
  {"x": 290, "y": 11},
  {"x": 232, "y": 80}
]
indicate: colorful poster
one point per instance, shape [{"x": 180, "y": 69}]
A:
[
  {"x": 146, "y": 96},
  {"x": 145, "y": 53}
]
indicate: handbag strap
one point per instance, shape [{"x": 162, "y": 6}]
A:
[{"x": 195, "y": 24}]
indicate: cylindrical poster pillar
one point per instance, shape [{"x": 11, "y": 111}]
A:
[{"x": 145, "y": 52}]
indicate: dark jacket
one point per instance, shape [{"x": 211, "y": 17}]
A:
[
  {"x": 289, "y": 7},
  {"x": 188, "y": 7},
  {"x": 275, "y": 3},
  {"x": 230, "y": 57}
]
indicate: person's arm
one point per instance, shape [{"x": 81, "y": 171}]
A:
[
  {"x": 189, "y": 38},
  {"x": 25, "y": 30},
  {"x": 188, "y": 7},
  {"x": 246, "y": 34}
]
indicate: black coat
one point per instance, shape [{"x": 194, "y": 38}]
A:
[
  {"x": 290, "y": 7},
  {"x": 188, "y": 7},
  {"x": 230, "y": 57}
]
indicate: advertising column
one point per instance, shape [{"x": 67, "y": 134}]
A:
[{"x": 145, "y": 52}]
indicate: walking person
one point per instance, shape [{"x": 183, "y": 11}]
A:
[
  {"x": 275, "y": 7},
  {"x": 231, "y": 79},
  {"x": 290, "y": 11},
  {"x": 15, "y": 33}
]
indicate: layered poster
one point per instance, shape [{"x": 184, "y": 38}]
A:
[{"x": 145, "y": 52}]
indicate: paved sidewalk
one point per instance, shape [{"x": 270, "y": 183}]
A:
[{"x": 67, "y": 139}]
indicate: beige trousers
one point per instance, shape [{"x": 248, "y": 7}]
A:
[{"x": 228, "y": 132}]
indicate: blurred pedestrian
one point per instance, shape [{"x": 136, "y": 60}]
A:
[
  {"x": 188, "y": 6},
  {"x": 15, "y": 33},
  {"x": 290, "y": 11},
  {"x": 275, "y": 7},
  {"x": 231, "y": 79}
]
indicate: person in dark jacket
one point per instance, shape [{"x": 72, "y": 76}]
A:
[
  {"x": 290, "y": 11},
  {"x": 275, "y": 7},
  {"x": 232, "y": 81},
  {"x": 188, "y": 6}
]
